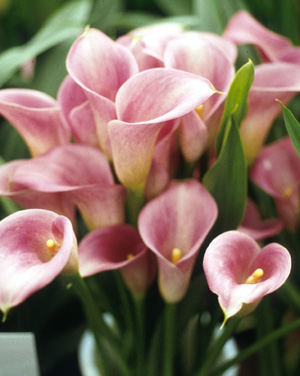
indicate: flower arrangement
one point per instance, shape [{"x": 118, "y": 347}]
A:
[{"x": 151, "y": 184}]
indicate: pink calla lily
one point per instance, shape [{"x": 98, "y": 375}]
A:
[
  {"x": 118, "y": 247},
  {"x": 100, "y": 82},
  {"x": 77, "y": 112},
  {"x": 59, "y": 202},
  {"x": 201, "y": 57},
  {"x": 36, "y": 116},
  {"x": 144, "y": 104},
  {"x": 277, "y": 80},
  {"x": 241, "y": 273},
  {"x": 35, "y": 246},
  {"x": 79, "y": 170},
  {"x": 254, "y": 226},
  {"x": 163, "y": 227},
  {"x": 277, "y": 171},
  {"x": 244, "y": 29},
  {"x": 147, "y": 44}
]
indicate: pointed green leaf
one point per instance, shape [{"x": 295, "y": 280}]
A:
[
  {"x": 64, "y": 24},
  {"x": 292, "y": 126},
  {"x": 226, "y": 180},
  {"x": 237, "y": 100}
]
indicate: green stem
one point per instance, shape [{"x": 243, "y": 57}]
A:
[
  {"x": 214, "y": 352},
  {"x": 97, "y": 324},
  {"x": 169, "y": 339},
  {"x": 125, "y": 302},
  {"x": 268, "y": 356},
  {"x": 276, "y": 334},
  {"x": 139, "y": 303},
  {"x": 134, "y": 203}
]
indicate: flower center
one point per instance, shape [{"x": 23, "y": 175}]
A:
[
  {"x": 130, "y": 256},
  {"x": 199, "y": 110},
  {"x": 255, "y": 277},
  {"x": 52, "y": 246},
  {"x": 287, "y": 192},
  {"x": 176, "y": 255}
]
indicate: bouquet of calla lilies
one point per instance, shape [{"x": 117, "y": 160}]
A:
[{"x": 157, "y": 169}]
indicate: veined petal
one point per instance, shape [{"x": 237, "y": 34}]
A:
[
  {"x": 277, "y": 171},
  {"x": 63, "y": 169},
  {"x": 161, "y": 94},
  {"x": 83, "y": 125},
  {"x": 277, "y": 168},
  {"x": 100, "y": 204},
  {"x": 70, "y": 95},
  {"x": 117, "y": 247},
  {"x": 203, "y": 58},
  {"x": 27, "y": 264},
  {"x": 162, "y": 225},
  {"x": 144, "y": 103},
  {"x": 193, "y": 136},
  {"x": 148, "y": 43},
  {"x": 231, "y": 258},
  {"x": 272, "y": 81},
  {"x": 99, "y": 64},
  {"x": 254, "y": 226},
  {"x": 242, "y": 28},
  {"x": 36, "y": 116},
  {"x": 77, "y": 112}
]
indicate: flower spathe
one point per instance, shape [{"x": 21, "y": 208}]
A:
[
  {"x": 241, "y": 273},
  {"x": 37, "y": 118},
  {"x": 277, "y": 172},
  {"x": 118, "y": 247},
  {"x": 173, "y": 226},
  {"x": 81, "y": 172},
  {"x": 258, "y": 228},
  {"x": 146, "y": 102},
  {"x": 35, "y": 246}
]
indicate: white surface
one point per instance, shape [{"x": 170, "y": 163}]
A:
[{"x": 18, "y": 355}]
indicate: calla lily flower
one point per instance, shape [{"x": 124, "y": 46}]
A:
[
  {"x": 35, "y": 246},
  {"x": 244, "y": 29},
  {"x": 145, "y": 103},
  {"x": 277, "y": 80},
  {"x": 241, "y": 273},
  {"x": 77, "y": 113},
  {"x": 100, "y": 82},
  {"x": 277, "y": 172},
  {"x": 163, "y": 227},
  {"x": 118, "y": 247},
  {"x": 253, "y": 225},
  {"x": 37, "y": 118},
  {"x": 80, "y": 171},
  {"x": 147, "y": 44},
  {"x": 199, "y": 56}
]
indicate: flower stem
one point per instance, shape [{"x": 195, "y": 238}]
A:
[
  {"x": 125, "y": 301},
  {"x": 214, "y": 352},
  {"x": 169, "y": 339},
  {"x": 268, "y": 356},
  {"x": 97, "y": 324},
  {"x": 134, "y": 203},
  {"x": 139, "y": 303},
  {"x": 257, "y": 346}
]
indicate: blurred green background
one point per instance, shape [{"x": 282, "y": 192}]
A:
[{"x": 45, "y": 30}]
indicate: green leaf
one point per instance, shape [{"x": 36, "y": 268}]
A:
[
  {"x": 175, "y": 8},
  {"x": 236, "y": 104},
  {"x": 226, "y": 180},
  {"x": 292, "y": 126},
  {"x": 65, "y": 23},
  {"x": 214, "y": 14}
]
